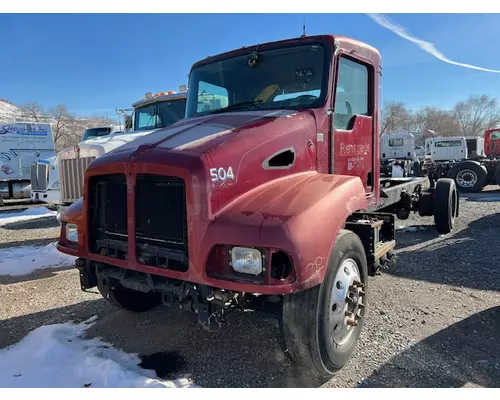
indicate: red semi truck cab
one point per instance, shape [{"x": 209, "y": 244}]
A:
[
  {"x": 492, "y": 143},
  {"x": 272, "y": 187}
]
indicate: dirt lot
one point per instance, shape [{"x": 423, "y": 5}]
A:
[{"x": 432, "y": 321}]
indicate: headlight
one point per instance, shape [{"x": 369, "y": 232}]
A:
[
  {"x": 246, "y": 260},
  {"x": 72, "y": 233},
  {"x": 55, "y": 185}
]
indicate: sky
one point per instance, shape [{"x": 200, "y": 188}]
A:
[{"x": 95, "y": 63}]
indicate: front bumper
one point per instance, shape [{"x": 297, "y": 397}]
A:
[{"x": 47, "y": 196}]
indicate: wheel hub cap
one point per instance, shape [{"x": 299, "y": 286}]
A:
[
  {"x": 346, "y": 301},
  {"x": 466, "y": 178}
]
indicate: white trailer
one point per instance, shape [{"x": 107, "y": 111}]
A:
[
  {"x": 446, "y": 148},
  {"x": 21, "y": 144}
]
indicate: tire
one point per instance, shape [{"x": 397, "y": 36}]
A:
[
  {"x": 497, "y": 175},
  {"x": 310, "y": 316},
  {"x": 128, "y": 299},
  {"x": 416, "y": 168},
  {"x": 469, "y": 176},
  {"x": 445, "y": 205}
]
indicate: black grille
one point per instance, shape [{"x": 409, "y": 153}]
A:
[
  {"x": 108, "y": 215},
  {"x": 161, "y": 221}
]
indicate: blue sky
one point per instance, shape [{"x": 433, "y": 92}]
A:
[{"x": 96, "y": 63}]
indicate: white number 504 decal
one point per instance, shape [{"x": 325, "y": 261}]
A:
[{"x": 221, "y": 175}]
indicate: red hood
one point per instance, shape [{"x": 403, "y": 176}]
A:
[
  {"x": 235, "y": 145},
  {"x": 198, "y": 135}
]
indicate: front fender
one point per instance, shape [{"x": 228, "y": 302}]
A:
[
  {"x": 71, "y": 215},
  {"x": 300, "y": 214}
]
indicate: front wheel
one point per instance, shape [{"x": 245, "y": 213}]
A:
[
  {"x": 322, "y": 325},
  {"x": 128, "y": 299}
]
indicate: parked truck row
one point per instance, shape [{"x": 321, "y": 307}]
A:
[
  {"x": 471, "y": 162},
  {"x": 59, "y": 179}
]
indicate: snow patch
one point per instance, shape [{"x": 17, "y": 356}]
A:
[
  {"x": 57, "y": 356},
  {"x": 26, "y": 215},
  {"x": 17, "y": 261}
]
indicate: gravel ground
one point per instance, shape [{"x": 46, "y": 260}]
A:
[{"x": 432, "y": 321}]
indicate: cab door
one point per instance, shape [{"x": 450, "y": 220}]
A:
[{"x": 352, "y": 124}]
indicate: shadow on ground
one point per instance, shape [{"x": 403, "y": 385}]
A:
[
  {"x": 38, "y": 274},
  {"x": 29, "y": 242},
  {"x": 37, "y": 223},
  {"x": 14, "y": 329},
  {"x": 464, "y": 353},
  {"x": 468, "y": 258},
  {"x": 249, "y": 353}
]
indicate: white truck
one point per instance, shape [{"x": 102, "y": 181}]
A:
[
  {"x": 151, "y": 113},
  {"x": 446, "y": 148},
  {"x": 45, "y": 172},
  {"x": 21, "y": 144},
  {"x": 397, "y": 154}
]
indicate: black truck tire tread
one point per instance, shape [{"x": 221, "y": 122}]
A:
[
  {"x": 445, "y": 205},
  {"x": 303, "y": 312}
]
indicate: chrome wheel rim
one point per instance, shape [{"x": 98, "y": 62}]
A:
[
  {"x": 466, "y": 178},
  {"x": 346, "y": 303}
]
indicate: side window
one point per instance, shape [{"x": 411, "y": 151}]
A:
[
  {"x": 351, "y": 92},
  {"x": 211, "y": 97},
  {"x": 147, "y": 117},
  {"x": 396, "y": 142}
]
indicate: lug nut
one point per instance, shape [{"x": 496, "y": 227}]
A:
[
  {"x": 351, "y": 322},
  {"x": 349, "y": 314},
  {"x": 358, "y": 283}
]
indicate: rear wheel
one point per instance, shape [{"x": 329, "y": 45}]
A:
[
  {"x": 445, "y": 205},
  {"x": 469, "y": 176},
  {"x": 128, "y": 299},
  {"x": 497, "y": 175},
  {"x": 322, "y": 325}
]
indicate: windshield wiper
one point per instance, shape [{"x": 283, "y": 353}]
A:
[{"x": 237, "y": 105}]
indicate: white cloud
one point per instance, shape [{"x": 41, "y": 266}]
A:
[{"x": 426, "y": 46}]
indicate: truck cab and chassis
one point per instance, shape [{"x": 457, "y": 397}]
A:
[
  {"x": 275, "y": 192},
  {"x": 473, "y": 171}
]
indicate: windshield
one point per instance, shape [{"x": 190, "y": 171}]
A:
[
  {"x": 448, "y": 143},
  {"x": 289, "y": 77},
  {"x": 95, "y": 132},
  {"x": 159, "y": 115}
]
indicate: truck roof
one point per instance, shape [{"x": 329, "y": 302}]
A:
[
  {"x": 402, "y": 134},
  {"x": 165, "y": 97},
  {"x": 344, "y": 42},
  {"x": 446, "y": 138}
]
